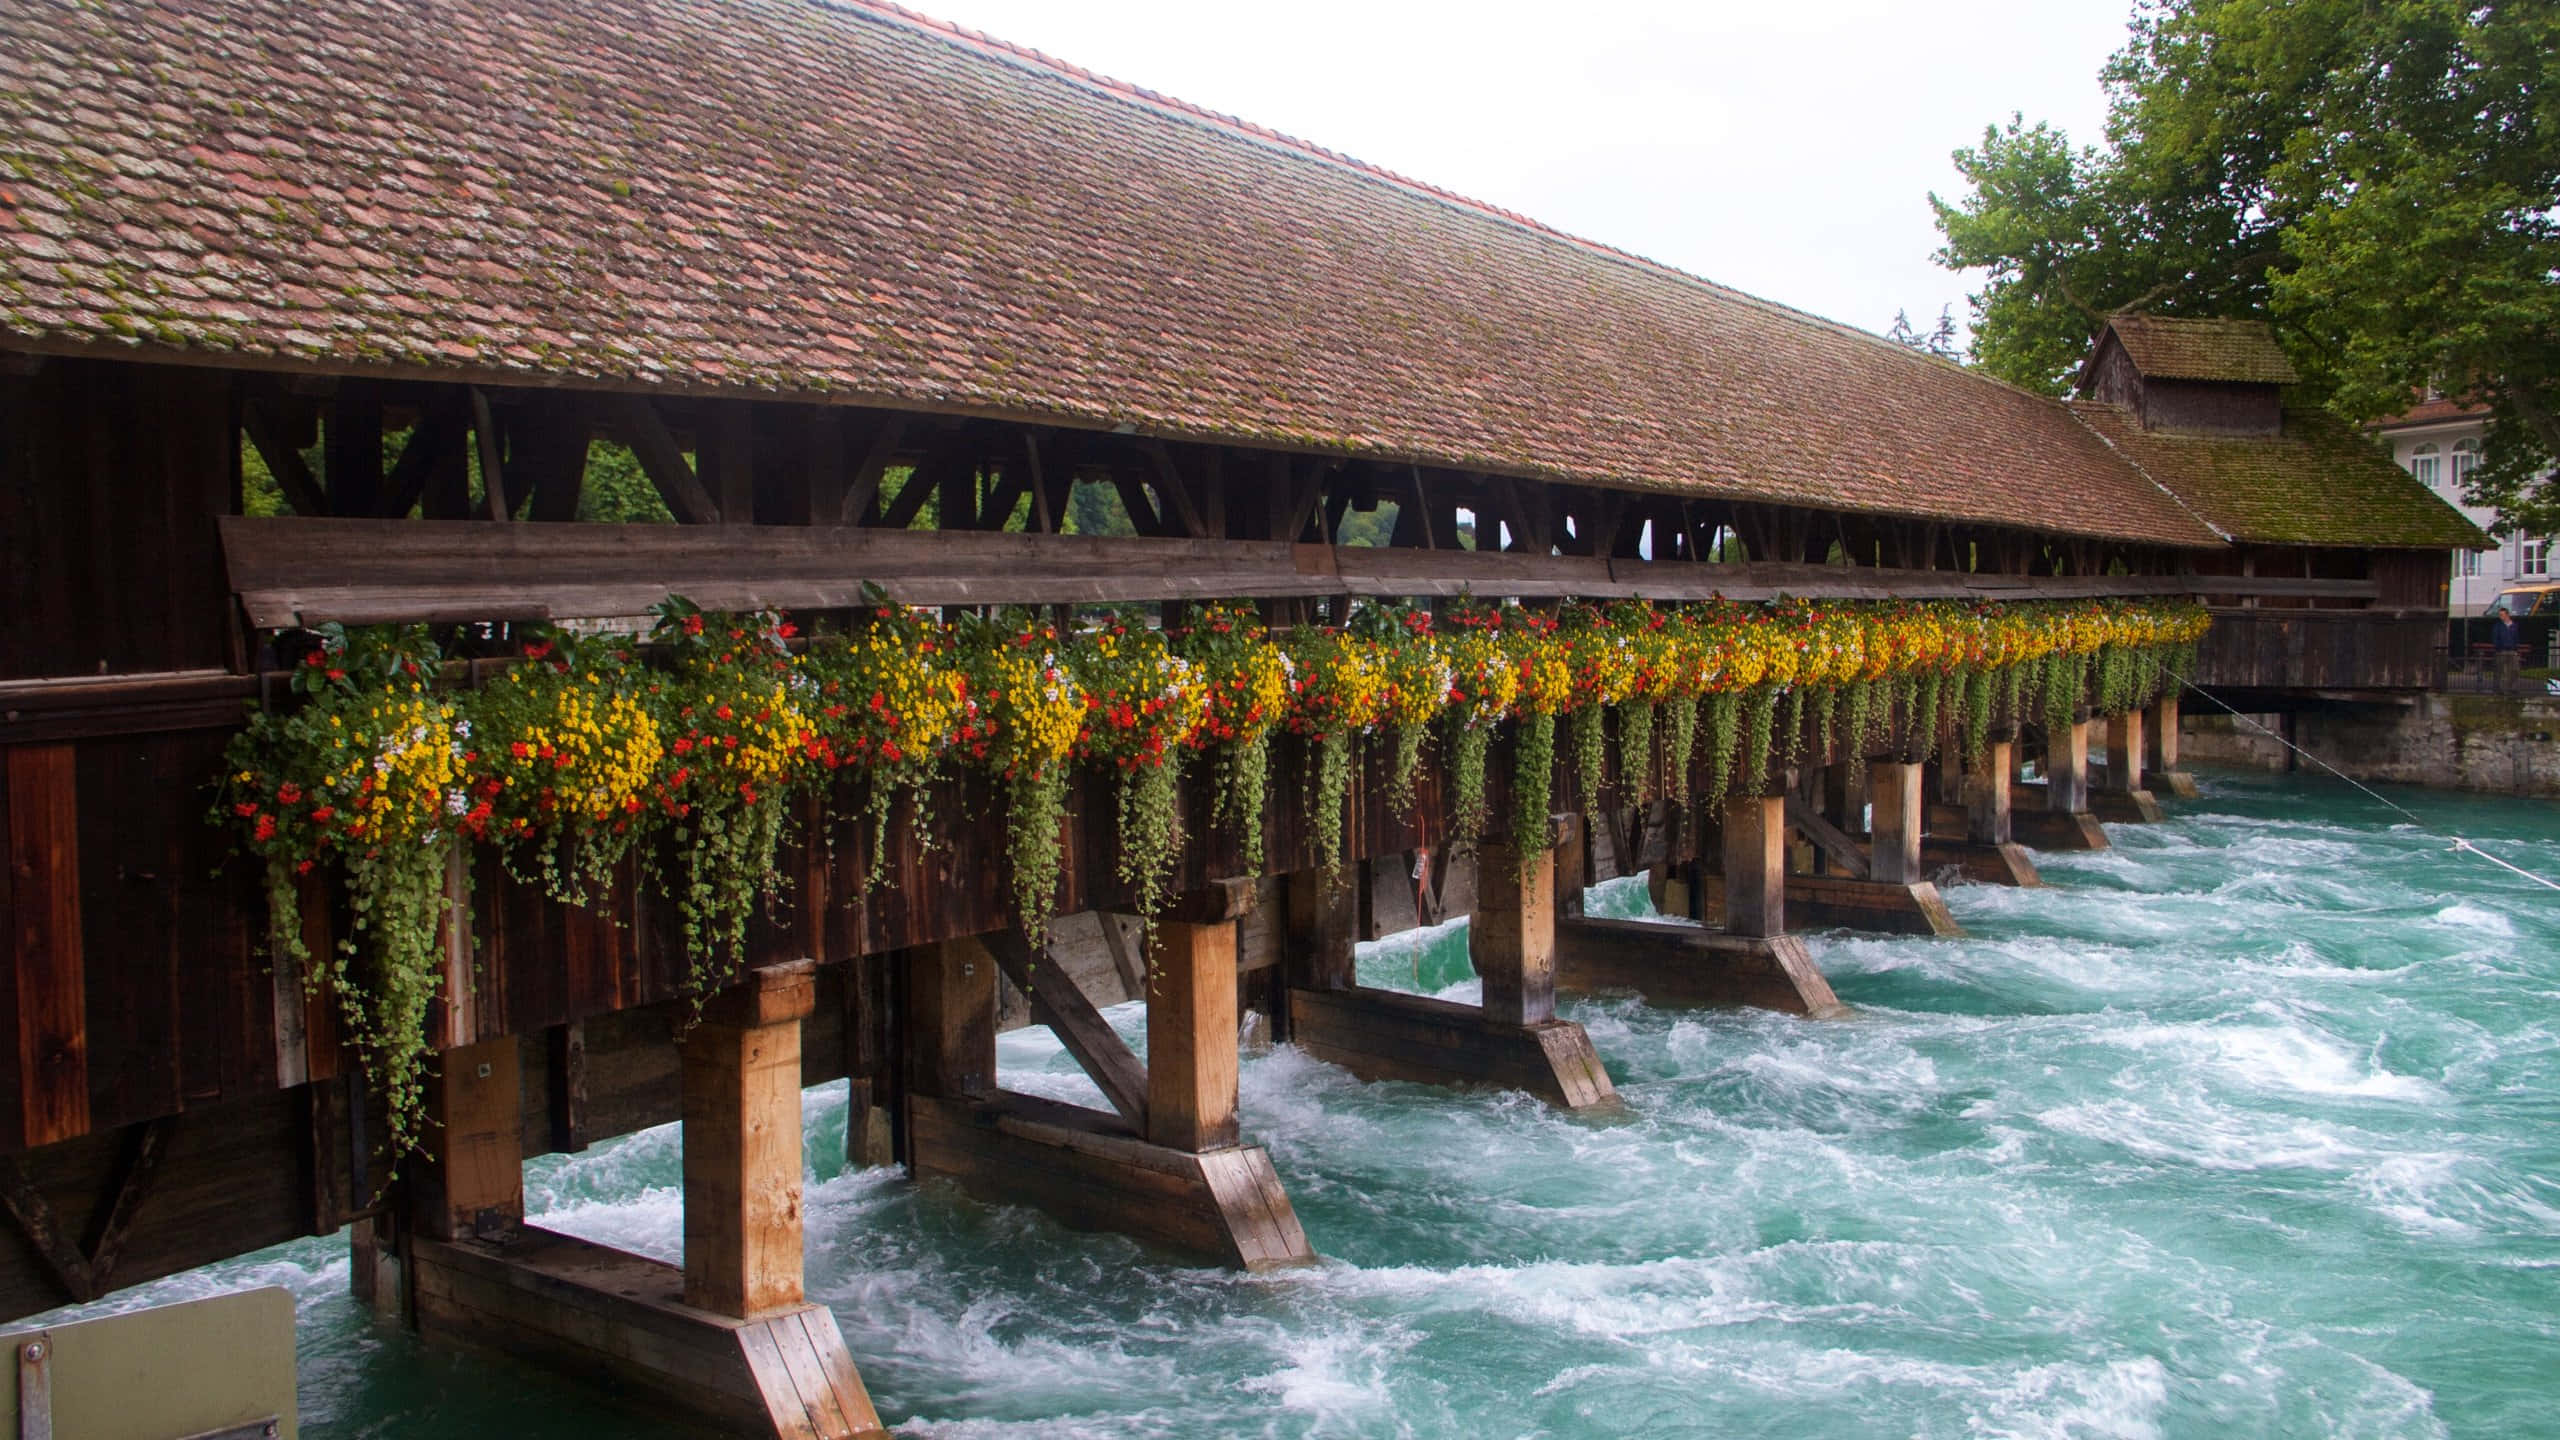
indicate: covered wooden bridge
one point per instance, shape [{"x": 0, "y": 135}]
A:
[{"x": 358, "y": 314}]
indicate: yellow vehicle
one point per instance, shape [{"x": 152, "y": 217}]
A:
[{"x": 2540, "y": 598}]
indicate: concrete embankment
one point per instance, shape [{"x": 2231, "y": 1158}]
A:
[{"x": 2497, "y": 745}]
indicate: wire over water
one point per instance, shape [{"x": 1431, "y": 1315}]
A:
[{"x": 2461, "y": 844}]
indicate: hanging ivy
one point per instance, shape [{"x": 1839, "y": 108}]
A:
[
  {"x": 1759, "y": 720},
  {"x": 1680, "y": 743},
  {"x": 1924, "y": 721},
  {"x": 1546, "y": 688},
  {"x": 366, "y": 774},
  {"x": 1337, "y": 688},
  {"x": 1244, "y": 680},
  {"x": 1024, "y": 713},
  {"x": 1144, "y": 706},
  {"x": 1724, "y": 739},
  {"x": 737, "y": 735},
  {"x": 1414, "y": 674},
  {"x": 1484, "y": 684}
]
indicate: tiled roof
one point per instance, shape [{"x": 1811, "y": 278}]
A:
[
  {"x": 2163, "y": 348},
  {"x": 2433, "y": 412},
  {"x": 796, "y": 198},
  {"x": 2319, "y": 483}
]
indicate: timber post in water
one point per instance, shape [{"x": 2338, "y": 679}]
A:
[
  {"x": 2160, "y": 748},
  {"x": 1878, "y": 885},
  {"x": 1750, "y": 960},
  {"x": 2064, "y": 822},
  {"x": 2122, "y": 795},
  {"x": 1982, "y": 846},
  {"x": 728, "y": 1336},
  {"x": 1512, "y": 1039},
  {"x": 1166, "y": 1164}
]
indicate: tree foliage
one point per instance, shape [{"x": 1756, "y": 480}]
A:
[{"x": 2380, "y": 178}]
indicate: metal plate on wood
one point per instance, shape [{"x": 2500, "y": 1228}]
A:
[{"x": 220, "y": 1368}]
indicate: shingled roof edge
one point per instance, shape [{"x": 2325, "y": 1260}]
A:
[
  {"x": 998, "y": 48},
  {"x": 2140, "y": 469}
]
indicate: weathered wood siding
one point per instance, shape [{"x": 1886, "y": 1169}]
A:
[{"x": 2256, "y": 649}]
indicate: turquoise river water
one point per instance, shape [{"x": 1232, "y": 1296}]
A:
[{"x": 2250, "y": 1126}]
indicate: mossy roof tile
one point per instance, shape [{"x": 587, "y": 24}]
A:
[
  {"x": 2163, "y": 347},
  {"x": 2317, "y": 483}
]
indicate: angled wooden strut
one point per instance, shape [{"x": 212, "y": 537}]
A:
[
  {"x": 84, "y": 1272},
  {"x": 1165, "y": 1163},
  {"x": 1752, "y": 961},
  {"x": 1512, "y": 1040}
]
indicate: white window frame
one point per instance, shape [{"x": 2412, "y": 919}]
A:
[
  {"x": 2459, "y": 465},
  {"x": 2533, "y": 558},
  {"x": 2425, "y": 464}
]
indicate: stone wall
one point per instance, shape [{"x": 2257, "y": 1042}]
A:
[{"x": 2454, "y": 742}]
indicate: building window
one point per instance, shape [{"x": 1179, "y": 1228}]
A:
[
  {"x": 2466, "y": 564},
  {"x": 2460, "y": 464},
  {"x": 2535, "y": 558},
  {"x": 2424, "y": 463}
]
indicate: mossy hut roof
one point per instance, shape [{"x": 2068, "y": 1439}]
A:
[
  {"x": 838, "y": 199},
  {"x": 2318, "y": 482},
  {"x": 2164, "y": 347}
]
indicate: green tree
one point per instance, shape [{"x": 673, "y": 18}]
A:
[{"x": 2380, "y": 178}]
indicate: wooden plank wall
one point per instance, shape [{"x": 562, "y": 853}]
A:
[{"x": 2257, "y": 649}]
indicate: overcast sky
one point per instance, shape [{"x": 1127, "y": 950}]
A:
[{"x": 1784, "y": 147}]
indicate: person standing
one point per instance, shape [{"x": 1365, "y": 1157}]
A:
[{"x": 2505, "y": 635}]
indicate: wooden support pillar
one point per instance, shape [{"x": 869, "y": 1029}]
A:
[
  {"x": 1893, "y": 787},
  {"x": 471, "y": 1179},
  {"x": 2160, "y": 749},
  {"x": 2066, "y": 769},
  {"x": 1512, "y": 936},
  {"x": 1986, "y": 794},
  {"x": 2125, "y": 796},
  {"x": 1512, "y": 1039},
  {"x": 2125, "y": 752},
  {"x": 1755, "y": 870},
  {"x": 1174, "y": 1173},
  {"x": 1191, "y": 1034},
  {"x": 728, "y": 1336},
  {"x": 951, "y": 1002},
  {"x": 741, "y": 1086},
  {"x": 1323, "y": 925}
]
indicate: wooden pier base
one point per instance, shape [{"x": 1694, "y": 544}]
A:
[
  {"x": 1683, "y": 965},
  {"x": 2006, "y": 863},
  {"x": 1165, "y": 1164},
  {"x": 1090, "y": 1171},
  {"x": 2048, "y": 830},
  {"x": 1910, "y": 907},
  {"x": 1513, "y": 1040},
  {"x": 620, "y": 1322},
  {"x": 1390, "y": 1035},
  {"x": 728, "y": 1336},
  {"x": 2126, "y": 807},
  {"x": 2064, "y": 821}
]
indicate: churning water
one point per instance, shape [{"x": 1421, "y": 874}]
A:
[{"x": 2250, "y": 1126}]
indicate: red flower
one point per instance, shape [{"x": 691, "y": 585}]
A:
[
  {"x": 244, "y": 809},
  {"x": 324, "y": 815},
  {"x": 288, "y": 793},
  {"x": 266, "y": 827},
  {"x": 520, "y": 750}
]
